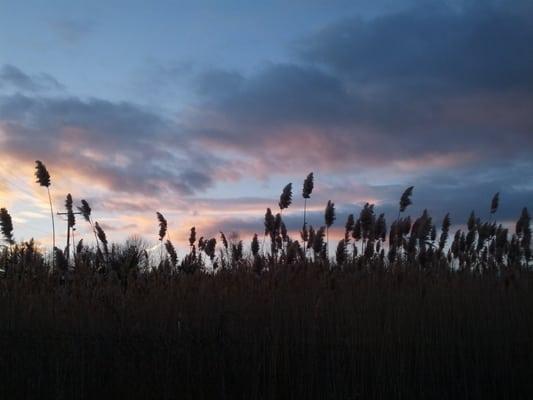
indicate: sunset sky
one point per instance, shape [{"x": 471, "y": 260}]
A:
[{"x": 204, "y": 110}]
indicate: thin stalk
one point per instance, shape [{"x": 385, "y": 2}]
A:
[
  {"x": 94, "y": 232},
  {"x": 327, "y": 243},
  {"x": 305, "y": 226},
  {"x": 53, "y": 222},
  {"x": 68, "y": 242},
  {"x": 305, "y": 210},
  {"x": 398, "y": 244}
]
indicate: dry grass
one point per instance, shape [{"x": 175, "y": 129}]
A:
[
  {"x": 401, "y": 313},
  {"x": 298, "y": 331}
]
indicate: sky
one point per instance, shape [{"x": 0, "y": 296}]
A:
[{"x": 205, "y": 110}]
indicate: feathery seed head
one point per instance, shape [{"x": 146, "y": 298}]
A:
[
  {"x": 255, "y": 245},
  {"x": 269, "y": 222},
  {"x": 405, "y": 200},
  {"x": 171, "y": 252},
  {"x": 162, "y": 226},
  {"x": 348, "y": 227},
  {"x": 329, "y": 214},
  {"x": 285, "y": 199},
  {"x": 192, "y": 237},
  {"x": 70, "y": 214},
  {"x": 494, "y": 203},
  {"x": 340, "y": 254},
  {"x": 85, "y": 210},
  {"x": 210, "y": 247},
  {"x": 101, "y": 235},
  {"x": 308, "y": 186},
  {"x": 224, "y": 240},
  {"x": 304, "y": 233},
  {"x": 42, "y": 175},
  {"x": 6, "y": 226}
]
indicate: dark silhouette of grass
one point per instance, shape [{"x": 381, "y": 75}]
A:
[
  {"x": 400, "y": 313},
  {"x": 297, "y": 331}
]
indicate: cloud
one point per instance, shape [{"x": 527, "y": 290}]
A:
[
  {"x": 417, "y": 90},
  {"x": 118, "y": 145},
  {"x": 71, "y": 31},
  {"x": 438, "y": 98},
  {"x": 480, "y": 45},
  {"x": 12, "y": 77}
]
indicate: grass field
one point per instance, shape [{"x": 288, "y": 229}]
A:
[{"x": 406, "y": 312}]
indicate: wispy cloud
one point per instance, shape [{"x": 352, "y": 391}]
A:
[{"x": 12, "y": 77}]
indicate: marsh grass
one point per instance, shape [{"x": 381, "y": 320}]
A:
[
  {"x": 419, "y": 317},
  {"x": 299, "y": 331}
]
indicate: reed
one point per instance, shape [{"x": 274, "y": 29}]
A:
[
  {"x": 6, "y": 226},
  {"x": 43, "y": 179}
]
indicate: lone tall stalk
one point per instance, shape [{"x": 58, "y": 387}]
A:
[
  {"x": 405, "y": 201},
  {"x": 329, "y": 218},
  {"x": 163, "y": 226},
  {"x": 43, "y": 179},
  {"x": 85, "y": 210},
  {"x": 71, "y": 221},
  {"x": 306, "y": 194}
]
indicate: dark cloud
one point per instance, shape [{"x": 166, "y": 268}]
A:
[
  {"x": 482, "y": 45},
  {"x": 119, "y": 144},
  {"x": 218, "y": 83},
  {"x": 427, "y": 87},
  {"x": 12, "y": 77}
]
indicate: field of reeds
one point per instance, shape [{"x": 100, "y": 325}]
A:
[{"x": 408, "y": 310}]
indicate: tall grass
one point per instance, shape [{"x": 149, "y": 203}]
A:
[
  {"x": 410, "y": 315},
  {"x": 43, "y": 179}
]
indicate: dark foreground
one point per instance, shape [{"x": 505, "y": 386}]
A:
[{"x": 298, "y": 332}]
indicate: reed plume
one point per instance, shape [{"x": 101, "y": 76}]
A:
[
  {"x": 285, "y": 199},
  {"x": 340, "y": 255},
  {"x": 163, "y": 226},
  {"x": 319, "y": 247},
  {"x": 348, "y": 227},
  {"x": 523, "y": 231},
  {"x": 405, "y": 200},
  {"x": 308, "y": 186},
  {"x": 495, "y": 203},
  {"x": 380, "y": 229},
  {"x": 255, "y": 245},
  {"x": 210, "y": 248},
  {"x": 311, "y": 237},
  {"x": 71, "y": 222},
  {"x": 171, "y": 252},
  {"x": 43, "y": 179},
  {"x": 269, "y": 223},
  {"x": 192, "y": 236},
  {"x": 6, "y": 226},
  {"x": 101, "y": 236},
  {"x": 86, "y": 211},
  {"x": 306, "y": 194},
  {"x": 446, "y": 223},
  {"x": 367, "y": 221},
  {"x": 304, "y": 234},
  {"x": 329, "y": 218},
  {"x": 224, "y": 240},
  {"x": 79, "y": 246}
]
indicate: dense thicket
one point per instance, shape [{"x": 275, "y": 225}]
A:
[{"x": 303, "y": 330}]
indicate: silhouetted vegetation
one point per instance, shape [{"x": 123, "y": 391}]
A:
[{"x": 399, "y": 312}]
